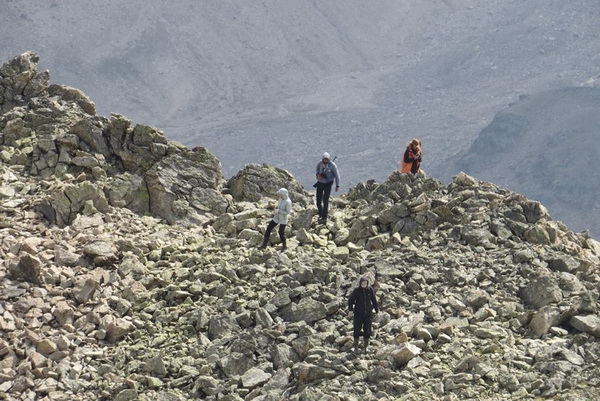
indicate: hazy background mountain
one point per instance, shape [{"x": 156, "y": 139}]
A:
[
  {"x": 283, "y": 81},
  {"x": 546, "y": 144}
]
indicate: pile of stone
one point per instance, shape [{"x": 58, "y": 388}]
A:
[{"x": 130, "y": 271}]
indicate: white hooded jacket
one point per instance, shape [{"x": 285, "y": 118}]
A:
[{"x": 284, "y": 208}]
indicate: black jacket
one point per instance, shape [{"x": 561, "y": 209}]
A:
[{"x": 362, "y": 301}]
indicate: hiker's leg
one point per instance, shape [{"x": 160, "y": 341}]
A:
[
  {"x": 320, "y": 199},
  {"x": 270, "y": 227},
  {"x": 357, "y": 326},
  {"x": 326, "y": 194},
  {"x": 282, "y": 235},
  {"x": 367, "y": 328},
  {"x": 357, "y": 323}
]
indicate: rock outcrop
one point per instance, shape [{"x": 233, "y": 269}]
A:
[
  {"x": 130, "y": 273},
  {"x": 53, "y": 131},
  {"x": 257, "y": 181}
]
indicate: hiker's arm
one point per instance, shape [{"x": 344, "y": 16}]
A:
[
  {"x": 375, "y": 304},
  {"x": 351, "y": 301}
]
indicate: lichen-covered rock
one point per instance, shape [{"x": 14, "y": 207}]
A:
[
  {"x": 118, "y": 329},
  {"x": 185, "y": 186},
  {"x": 130, "y": 191},
  {"x": 64, "y": 204},
  {"x": 255, "y": 181},
  {"x": 254, "y": 377},
  {"x": 20, "y": 81},
  {"x": 91, "y": 133},
  {"x": 402, "y": 356},
  {"x": 308, "y": 373},
  {"x": 542, "y": 290},
  {"x": 307, "y": 310},
  {"x": 72, "y": 94}
]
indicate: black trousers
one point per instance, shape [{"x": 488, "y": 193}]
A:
[
  {"x": 270, "y": 228},
  {"x": 362, "y": 323},
  {"x": 323, "y": 193}
]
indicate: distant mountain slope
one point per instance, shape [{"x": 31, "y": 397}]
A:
[
  {"x": 546, "y": 146},
  {"x": 210, "y": 60}
]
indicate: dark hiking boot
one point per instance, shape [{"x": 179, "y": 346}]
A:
[
  {"x": 264, "y": 245},
  {"x": 355, "y": 346},
  {"x": 366, "y": 344}
]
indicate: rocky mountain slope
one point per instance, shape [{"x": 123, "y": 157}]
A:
[{"x": 130, "y": 271}]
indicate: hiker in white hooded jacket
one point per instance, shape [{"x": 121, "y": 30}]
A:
[{"x": 282, "y": 210}]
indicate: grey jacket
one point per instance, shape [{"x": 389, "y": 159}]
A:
[{"x": 326, "y": 173}]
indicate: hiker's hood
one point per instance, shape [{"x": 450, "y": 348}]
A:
[
  {"x": 284, "y": 192},
  {"x": 363, "y": 279}
]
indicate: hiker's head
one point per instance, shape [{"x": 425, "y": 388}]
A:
[
  {"x": 415, "y": 145},
  {"x": 326, "y": 157},
  {"x": 282, "y": 193},
  {"x": 363, "y": 282}
]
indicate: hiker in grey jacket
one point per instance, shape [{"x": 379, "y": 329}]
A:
[
  {"x": 282, "y": 210},
  {"x": 327, "y": 173}
]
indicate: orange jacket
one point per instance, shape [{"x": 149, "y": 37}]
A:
[{"x": 411, "y": 160}]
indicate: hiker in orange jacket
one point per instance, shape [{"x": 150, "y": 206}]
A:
[{"x": 411, "y": 162}]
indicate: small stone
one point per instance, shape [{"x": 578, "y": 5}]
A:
[
  {"x": 586, "y": 324},
  {"x": 118, "y": 330},
  {"x": 263, "y": 318},
  {"x": 46, "y": 347},
  {"x": 38, "y": 360},
  {"x": 86, "y": 293},
  {"x": 156, "y": 366},
  {"x": 402, "y": 356},
  {"x": 341, "y": 253},
  {"x": 154, "y": 382},
  {"x": 126, "y": 395},
  {"x": 29, "y": 269},
  {"x": 255, "y": 377}
]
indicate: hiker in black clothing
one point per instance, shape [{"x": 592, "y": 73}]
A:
[{"x": 362, "y": 301}]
